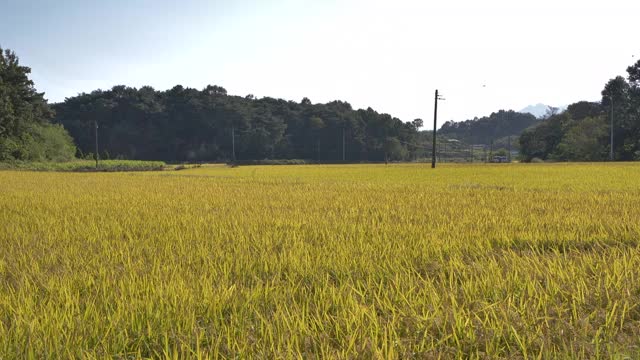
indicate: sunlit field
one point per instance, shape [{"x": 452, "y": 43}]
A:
[{"x": 346, "y": 261}]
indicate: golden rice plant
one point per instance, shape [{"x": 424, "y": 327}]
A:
[{"x": 349, "y": 261}]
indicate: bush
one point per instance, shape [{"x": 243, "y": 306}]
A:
[
  {"x": 8, "y": 148},
  {"x": 85, "y": 166},
  {"x": 40, "y": 142}
]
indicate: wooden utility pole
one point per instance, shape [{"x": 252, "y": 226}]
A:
[
  {"x": 343, "y": 148},
  {"x": 491, "y": 152},
  {"x": 435, "y": 124},
  {"x": 97, "y": 152},
  {"x": 611, "y": 150},
  {"x": 233, "y": 143},
  {"x": 471, "y": 148}
]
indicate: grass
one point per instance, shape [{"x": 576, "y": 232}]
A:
[
  {"x": 86, "y": 166},
  {"x": 344, "y": 261}
]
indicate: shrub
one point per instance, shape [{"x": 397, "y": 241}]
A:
[
  {"x": 40, "y": 142},
  {"x": 85, "y": 166}
]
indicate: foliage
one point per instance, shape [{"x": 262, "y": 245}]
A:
[
  {"x": 540, "y": 140},
  {"x": 183, "y": 124},
  {"x": 25, "y": 133},
  {"x": 39, "y": 142},
  {"x": 583, "y": 141},
  {"x": 85, "y": 166},
  {"x": 581, "y": 133},
  {"x": 349, "y": 261},
  {"x": 488, "y": 129}
]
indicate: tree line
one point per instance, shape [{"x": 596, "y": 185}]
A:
[
  {"x": 583, "y": 131},
  {"x": 493, "y": 128},
  {"x": 185, "y": 124}
]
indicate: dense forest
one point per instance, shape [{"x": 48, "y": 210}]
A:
[
  {"x": 582, "y": 132},
  {"x": 184, "y": 124}
]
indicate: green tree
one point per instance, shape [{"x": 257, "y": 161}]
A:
[
  {"x": 486, "y": 129},
  {"x": 634, "y": 109},
  {"x": 394, "y": 150},
  {"x": 25, "y": 133},
  {"x": 616, "y": 102},
  {"x": 584, "y": 141},
  {"x": 634, "y": 74},
  {"x": 183, "y": 124},
  {"x": 541, "y": 140},
  {"x": 584, "y": 109}
]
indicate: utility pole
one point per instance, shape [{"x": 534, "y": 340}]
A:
[
  {"x": 491, "y": 152},
  {"x": 435, "y": 124},
  {"x": 471, "y": 148},
  {"x": 343, "y": 148},
  {"x": 611, "y": 150},
  {"x": 95, "y": 122},
  {"x": 444, "y": 152},
  {"x": 233, "y": 143},
  {"x": 509, "y": 140}
]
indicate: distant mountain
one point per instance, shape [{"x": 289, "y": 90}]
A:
[{"x": 539, "y": 110}]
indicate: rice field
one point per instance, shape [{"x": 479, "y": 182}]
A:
[{"x": 347, "y": 261}]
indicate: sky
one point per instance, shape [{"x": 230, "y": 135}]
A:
[{"x": 388, "y": 55}]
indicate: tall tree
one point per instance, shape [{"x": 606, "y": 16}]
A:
[
  {"x": 585, "y": 140},
  {"x": 616, "y": 102},
  {"x": 25, "y": 133}
]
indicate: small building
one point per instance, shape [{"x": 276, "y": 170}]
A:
[{"x": 500, "y": 159}]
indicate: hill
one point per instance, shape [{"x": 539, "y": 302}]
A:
[{"x": 490, "y": 128}]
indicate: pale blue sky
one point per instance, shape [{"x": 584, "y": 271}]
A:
[{"x": 389, "y": 55}]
